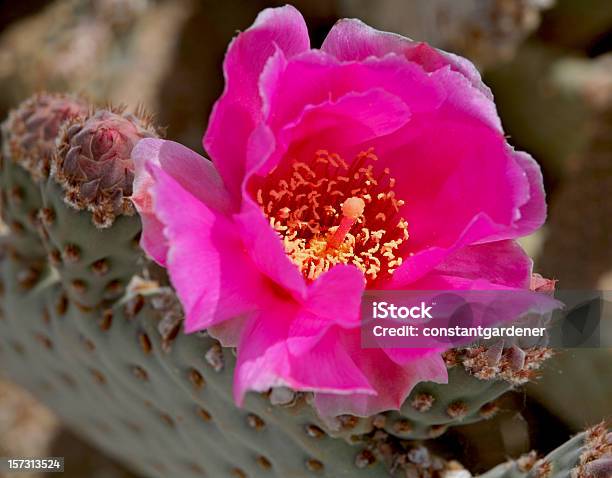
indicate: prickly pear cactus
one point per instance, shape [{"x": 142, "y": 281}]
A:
[
  {"x": 477, "y": 378},
  {"x": 111, "y": 361},
  {"x": 91, "y": 181},
  {"x": 122, "y": 377},
  {"x": 586, "y": 455},
  {"x": 28, "y": 144},
  {"x": 113, "y": 365}
]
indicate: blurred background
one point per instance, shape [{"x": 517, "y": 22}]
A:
[{"x": 548, "y": 63}]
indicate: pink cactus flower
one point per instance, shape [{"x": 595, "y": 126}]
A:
[{"x": 374, "y": 162}]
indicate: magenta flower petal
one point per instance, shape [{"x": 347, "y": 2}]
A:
[
  {"x": 193, "y": 172},
  {"x": 533, "y": 210},
  {"x": 324, "y": 310},
  {"x": 393, "y": 383},
  {"x": 342, "y": 124},
  {"x": 352, "y": 40},
  {"x": 341, "y": 281},
  {"x": 207, "y": 265},
  {"x": 512, "y": 266},
  {"x": 239, "y": 108},
  {"x": 265, "y": 361},
  {"x": 152, "y": 239},
  {"x": 266, "y": 251},
  {"x": 373, "y": 163},
  {"x": 308, "y": 71}
]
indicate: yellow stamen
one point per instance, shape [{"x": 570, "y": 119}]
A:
[{"x": 315, "y": 206}]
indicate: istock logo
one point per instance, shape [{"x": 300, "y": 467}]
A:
[{"x": 384, "y": 310}]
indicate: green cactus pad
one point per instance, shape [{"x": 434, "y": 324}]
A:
[
  {"x": 28, "y": 143},
  {"x": 477, "y": 377},
  {"x": 586, "y": 455},
  {"x": 20, "y": 201},
  {"x": 164, "y": 407},
  {"x": 94, "y": 264}
]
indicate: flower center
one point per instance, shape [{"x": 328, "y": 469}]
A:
[{"x": 328, "y": 212}]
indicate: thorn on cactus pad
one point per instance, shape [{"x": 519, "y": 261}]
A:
[
  {"x": 437, "y": 430},
  {"x": 61, "y": 307},
  {"x": 140, "y": 373},
  {"x": 16, "y": 194},
  {"x": 100, "y": 267},
  {"x": 214, "y": 357},
  {"x": 90, "y": 346},
  {"x": 167, "y": 419},
  {"x": 33, "y": 219},
  {"x": 542, "y": 469},
  {"x": 283, "y": 396},
  {"x": 44, "y": 341},
  {"x": 196, "y": 379},
  {"x": 364, "y": 459},
  {"x": 379, "y": 421},
  {"x": 134, "y": 306},
  {"x": 27, "y": 278},
  {"x": 314, "y": 465},
  {"x": 422, "y": 402},
  {"x": 107, "y": 320},
  {"x": 457, "y": 410},
  {"x": 145, "y": 343},
  {"x": 348, "y": 422},
  {"x": 204, "y": 414},
  {"x": 55, "y": 257},
  {"x": 238, "y": 473},
  {"x": 98, "y": 376},
  {"x": 166, "y": 302},
  {"x": 263, "y": 462},
  {"x": 78, "y": 286},
  {"x": 314, "y": 431},
  {"x": 526, "y": 462},
  {"x": 82, "y": 307},
  {"x": 402, "y": 426},
  {"x": 488, "y": 410},
  {"x": 255, "y": 422},
  {"x": 113, "y": 289},
  {"x": 72, "y": 253},
  {"x": 17, "y": 227}
]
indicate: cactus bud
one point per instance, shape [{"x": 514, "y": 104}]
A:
[
  {"x": 93, "y": 162},
  {"x": 30, "y": 131}
]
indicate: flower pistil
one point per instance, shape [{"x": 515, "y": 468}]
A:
[{"x": 328, "y": 212}]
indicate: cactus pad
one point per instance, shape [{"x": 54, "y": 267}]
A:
[
  {"x": 28, "y": 143},
  {"x": 165, "y": 405},
  {"x": 586, "y": 455}
]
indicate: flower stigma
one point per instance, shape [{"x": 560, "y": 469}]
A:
[{"x": 329, "y": 212}]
